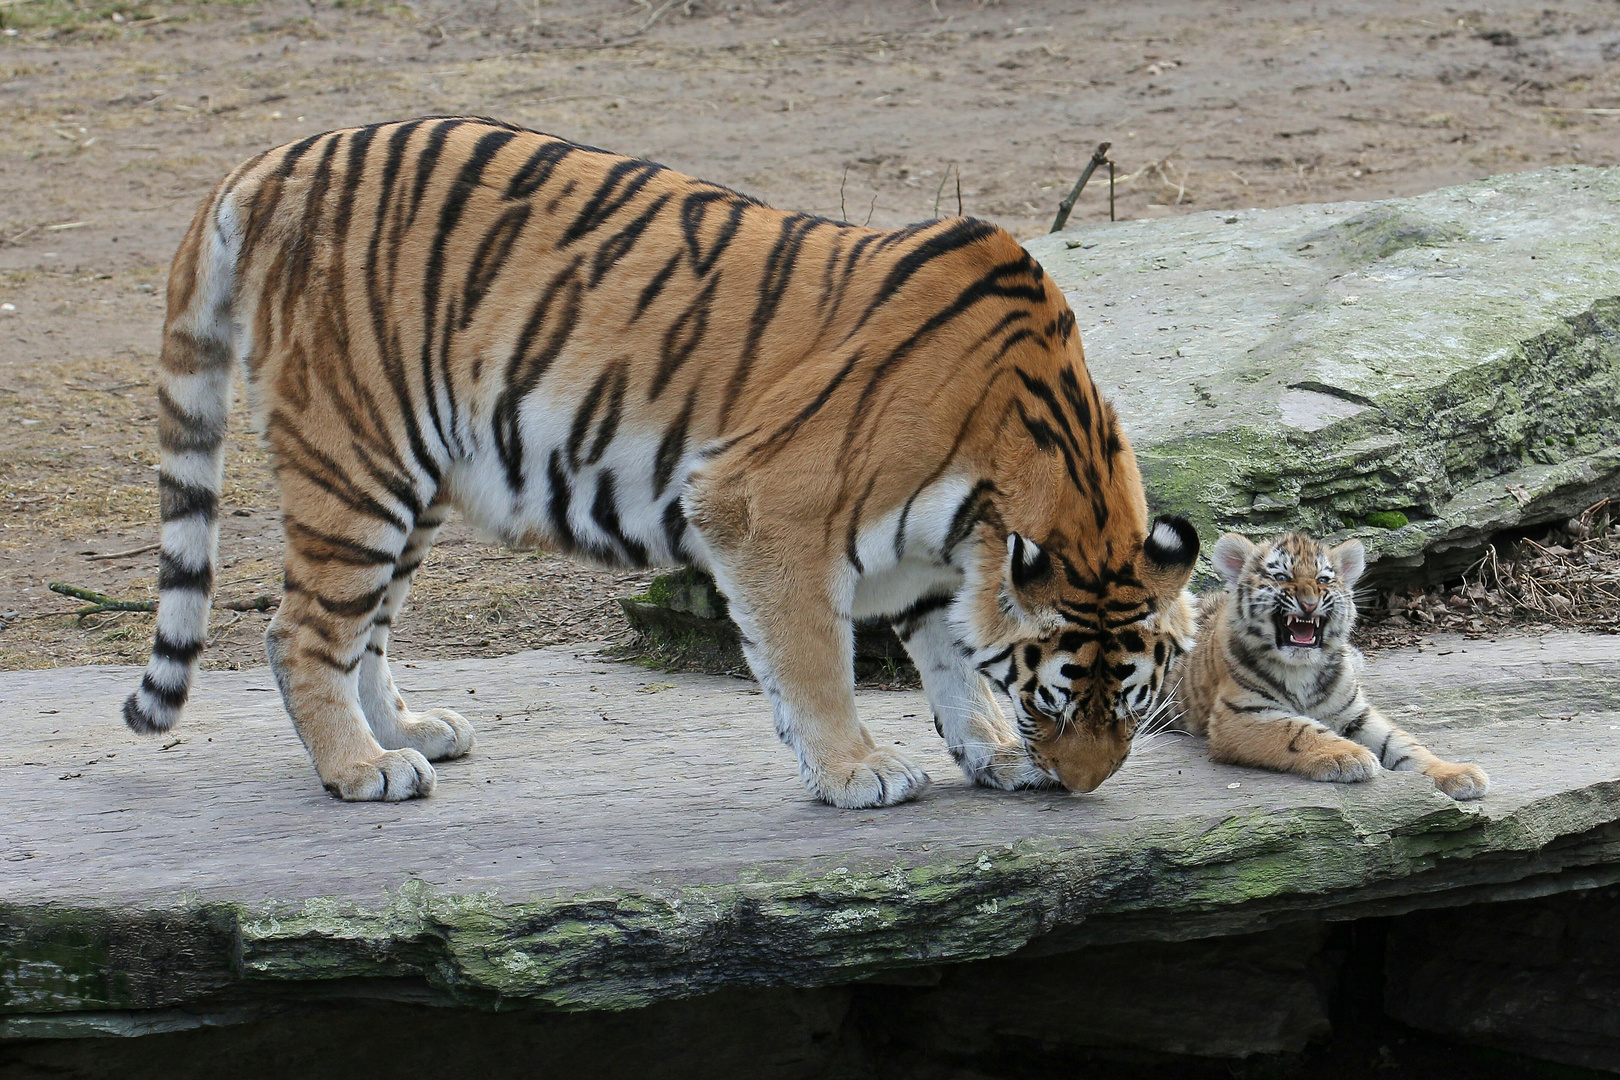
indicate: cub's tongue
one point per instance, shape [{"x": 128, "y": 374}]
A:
[{"x": 1302, "y": 631}]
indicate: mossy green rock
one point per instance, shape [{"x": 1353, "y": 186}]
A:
[{"x": 1453, "y": 356}]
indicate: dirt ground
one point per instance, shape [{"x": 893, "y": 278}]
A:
[{"x": 116, "y": 118}]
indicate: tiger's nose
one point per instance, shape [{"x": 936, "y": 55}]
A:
[{"x": 1307, "y": 604}]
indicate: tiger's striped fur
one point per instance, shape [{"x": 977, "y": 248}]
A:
[
  {"x": 1274, "y": 680},
  {"x": 599, "y": 355}
]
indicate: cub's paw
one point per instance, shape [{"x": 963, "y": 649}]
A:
[
  {"x": 437, "y": 734},
  {"x": 881, "y": 778},
  {"x": 394, "y": 776},
  {"x": 1459, "y": 781},
  {"x": 1347, "y": 764}
]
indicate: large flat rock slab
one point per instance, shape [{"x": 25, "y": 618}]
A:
[
  {"x": 620, "y": 836},
  {"x": 1454, "y": 357}
]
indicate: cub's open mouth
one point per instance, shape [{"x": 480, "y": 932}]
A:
[{"x": 1300, "y": 632}]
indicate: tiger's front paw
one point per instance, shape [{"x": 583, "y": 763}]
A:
[
  {"x": 437, "y": 734},
  {"x": 881, "y": 778},
  {"x": 1345, "y": 764},
  {"x": 1011, "y": 770},
  {"x": 1459, "y": 781},
  {"x": 394, "y": 776}
]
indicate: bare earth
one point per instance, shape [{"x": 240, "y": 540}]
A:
[{"x": 116, "y": 119}]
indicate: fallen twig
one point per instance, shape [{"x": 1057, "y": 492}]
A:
[
  {"x": 123, "y": 554},
  {"x": 100, "y": 602}
]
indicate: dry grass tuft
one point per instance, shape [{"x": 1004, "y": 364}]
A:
[
  {"x": 1568, "y": 579},
  {"x": 1573, "y": 579}
]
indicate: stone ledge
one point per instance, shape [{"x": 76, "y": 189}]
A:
[{"x": 620, "y": 837}]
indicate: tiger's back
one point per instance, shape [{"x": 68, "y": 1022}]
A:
[{"x": 600, "y": 355}]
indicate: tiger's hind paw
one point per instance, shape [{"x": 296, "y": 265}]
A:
[
  {"x": 394, "y": 776},
  {"x": 881, "y": 778},
  {"x": 1459, "y": 781},
  {"x": 437, "y": 734}
]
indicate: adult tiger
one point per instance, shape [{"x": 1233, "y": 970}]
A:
[{"x": 600, "y": 355}]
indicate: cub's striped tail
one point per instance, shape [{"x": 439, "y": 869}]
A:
[{"x": 194, "y": 398}]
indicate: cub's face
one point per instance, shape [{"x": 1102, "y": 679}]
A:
[
  {"x": 1293, "y": 596},
  {"x": 1085, "y": 657}
]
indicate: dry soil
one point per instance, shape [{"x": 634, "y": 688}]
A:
[{"x": 116, "y": 118}]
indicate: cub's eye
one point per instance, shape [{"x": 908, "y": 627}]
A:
[
  {"x": 1281, "y": 575},
  {"x": 1323, "y": 579}
]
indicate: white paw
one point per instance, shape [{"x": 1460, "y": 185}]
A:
[
  {"x": 881, "y": 778},
  {"x": 1460, "y": 781},
  {"x": 437, "y": 734},
  {"x": 395, "y": 776},
  {"x": 1349, "y": 765}
]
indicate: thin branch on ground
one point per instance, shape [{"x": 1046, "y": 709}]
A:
[
  {"x": 142, "y": 550},
  {"x": 100, "y": 602}
]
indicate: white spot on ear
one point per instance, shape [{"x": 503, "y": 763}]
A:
[
  {"x": 1166, "y": 537},
  {"x": 1025, "y": 551}
]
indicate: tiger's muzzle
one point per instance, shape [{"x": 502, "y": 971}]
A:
[{"x": 1081, "y": 753}]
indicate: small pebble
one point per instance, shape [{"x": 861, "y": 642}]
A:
[
  {"x": 1232, "y": 787},
  {"x": 8, "y": 308}
]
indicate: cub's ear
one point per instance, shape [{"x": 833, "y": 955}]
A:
[
  {"x": 1349, "y": 559},
  {"x": 1027, "y": 564},
  {"x": 1229, "y": 555},
  {"x": 1168, "y": 553}
]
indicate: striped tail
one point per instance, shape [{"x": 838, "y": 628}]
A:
[{"x": 194, "y": 398}]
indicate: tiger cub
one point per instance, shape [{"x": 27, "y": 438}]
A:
[
  {"x": 1274, "y": 680},
  {"x": 599, "y": 355}
]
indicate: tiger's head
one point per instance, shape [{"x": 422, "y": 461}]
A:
[
  {"x": 1083, "y": 648},
  {"x": 1292, "y": 595}
]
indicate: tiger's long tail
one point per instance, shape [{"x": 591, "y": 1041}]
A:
[{"x": 194, "y": 399}]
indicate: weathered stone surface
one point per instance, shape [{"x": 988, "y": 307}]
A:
[
  {"x": 620, "y": 837},
  {"x": 1454, "y": 357},
  {"x": 1539, "y": 977}
]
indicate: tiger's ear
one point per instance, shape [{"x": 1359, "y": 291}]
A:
[
  {"x": 1027, "y": 564},
  {"x": 1168, "y": 554},
  {"x": 1229, "y": 555},
  {"x": 1349, "y": 560}
]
